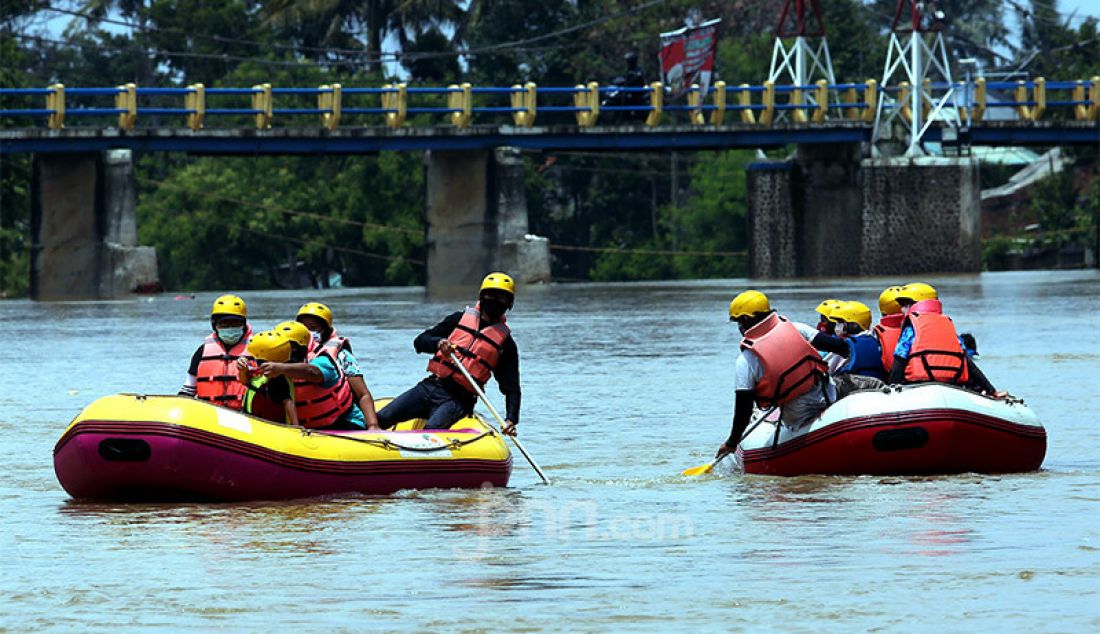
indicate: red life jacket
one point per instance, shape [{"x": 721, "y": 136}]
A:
[
  {"x": 478, "y": 349},
  {"x": 887, "y": 331},
  {"x": 216, "y": 377},
  {"x": 936, "y": 354},
  {"x": 791, "y": 365},
  {"x": 322, "y": 406}
]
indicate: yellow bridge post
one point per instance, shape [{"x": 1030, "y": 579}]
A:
[
  {"x": 798, "y": 114},
  {"x": 261, "y": 100},
  {"x": 744, "y": 99},
  {"x": 768, "y": 115},
  {"x": 850, "y": 97},
  {"x": 903, "y": 99},
  {"x": 719, "y": 112},
  {"x": 126, "y": 99},
  {"x": 1021, "y": 96},
  {"x": 1040, "y": 98},
  {"x": 330, "y": 98},
  {"x": 822, "y": 101},
  {"x": 56, "y": 101},
  {"x": 462, "y": 101},
  {"x": 526, "y": 100},
  {"x": 870, "y": 97},
  {"x": 195, "y": 100},
  {"x": 979, "y": 99},
  {"x": 587, "y": 97},
  {"x": 695, "y": 100},
  {"x": 657, "y": 102},
  {"x": 395, "y": 98},
  {"x": 1094, "y": 100}
]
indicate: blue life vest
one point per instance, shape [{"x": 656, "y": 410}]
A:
[{"x": 864, "y": 357}]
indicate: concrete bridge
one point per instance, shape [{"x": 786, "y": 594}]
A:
[{"x": 846, "y": 203}]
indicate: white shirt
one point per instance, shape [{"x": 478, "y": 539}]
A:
[{"x": 747, "y": 371}]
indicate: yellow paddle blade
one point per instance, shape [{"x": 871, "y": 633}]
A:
[{"x": 702, "y": 469}]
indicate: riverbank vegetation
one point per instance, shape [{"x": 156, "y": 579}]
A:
[{"x": 265, "y": 222}]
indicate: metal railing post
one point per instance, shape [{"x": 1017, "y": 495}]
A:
[
  {"x": 719, "y": 112},
  {"x": 195, "y": 100},
  {"x": 657, "y": 102},
  {"x": 56, "y": 101}
]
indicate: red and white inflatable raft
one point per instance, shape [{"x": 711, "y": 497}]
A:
[{"x": 928, "y": 428}]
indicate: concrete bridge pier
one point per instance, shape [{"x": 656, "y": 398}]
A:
[
  {"x": 477, "y": 220},
  {"x": 830, "y": 212},
  {"x": 84, "y": 228}
]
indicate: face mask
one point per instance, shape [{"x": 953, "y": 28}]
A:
[
  {"x": 231, "y": 335},
  {"x": 492, "y": 308}
]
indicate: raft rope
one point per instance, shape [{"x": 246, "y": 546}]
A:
[{"x": 385, "y": 443}]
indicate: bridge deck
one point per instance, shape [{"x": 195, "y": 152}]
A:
[{"x": 312, "y": 140}]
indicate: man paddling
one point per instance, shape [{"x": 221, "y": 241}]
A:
[
  {"x": 778, "y": 366},
  {"x": 482, "y": 341}
]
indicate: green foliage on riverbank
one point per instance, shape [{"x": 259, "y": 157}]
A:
[{"x": 264, "y": 222}]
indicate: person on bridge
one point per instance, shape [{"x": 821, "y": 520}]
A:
[
  {"x": 779, "y": 365},
  {"x": 481, "y": 339},
  {"x": 268, "y": 398},
  {"x": 318, "y": 319},
  {"x": 212, "y": 376},
  {"x": 929, "y": 348}
]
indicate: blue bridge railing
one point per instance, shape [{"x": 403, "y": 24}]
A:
[{"x": 460, "y": 104}]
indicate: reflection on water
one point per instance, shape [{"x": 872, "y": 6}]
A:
[{"x": 618, "y": 399}]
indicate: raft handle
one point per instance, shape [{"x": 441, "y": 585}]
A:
[{"x": 124, "y": 450}]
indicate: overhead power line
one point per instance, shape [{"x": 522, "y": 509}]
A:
[{"x": 362, "y": 58}]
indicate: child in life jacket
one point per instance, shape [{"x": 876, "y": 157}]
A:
[{"x": 270, "y": 398}]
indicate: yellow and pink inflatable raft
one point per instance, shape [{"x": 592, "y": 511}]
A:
[{"x": 136, "y": 447}]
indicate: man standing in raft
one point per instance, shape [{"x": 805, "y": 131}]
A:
[
  {"x": 212, "y": 375},
  {"x": 483, "y": 343},
  {"x": 778, "y": 366}
]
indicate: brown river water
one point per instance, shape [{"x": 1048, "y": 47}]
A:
[{"x": 624, "y": 386}]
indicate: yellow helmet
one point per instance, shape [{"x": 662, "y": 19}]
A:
[
  {"x": 854, "y": 313},
  {"x": 295, "y": 331},
  {"x": 229, "y": 305},
  {"x": 888, "y": 301},
  {"x": 916, "y": 292},
  {"x": 269, "y": 346},
  {"x": 500, "y": 281},
  {"x": 828, "y": 307},
  {"x": 749, "y": 303},
  {"x": 317, "y": 310}
]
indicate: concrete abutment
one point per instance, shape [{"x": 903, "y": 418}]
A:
[
  {"x": 84, "y": 228},
  {"x": 477, "y": 220},
  {"x": 828, "y": 212}
]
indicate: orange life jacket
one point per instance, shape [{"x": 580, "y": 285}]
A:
[
  {"x": 887, "y": 331},
  {"x": 322, "y": 406},
  {"x": 216, "y": 377},
  {"x": 936, "y": 354},
  {"x": 791, "y": 365},
  {"x": 477, "y": 348}
]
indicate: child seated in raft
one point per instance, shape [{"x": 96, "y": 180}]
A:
[{"x": 268, "y": 398}]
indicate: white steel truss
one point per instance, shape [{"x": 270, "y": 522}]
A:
[
  {"x": 801, "y": 64},
  {"x": 923, "y": 70}
]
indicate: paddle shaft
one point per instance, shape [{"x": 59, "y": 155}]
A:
[
  {"x": 496, "y": 415},
  {"x": 745, "y": 435}
]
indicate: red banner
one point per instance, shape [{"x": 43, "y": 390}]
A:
[{"x": 687, "y": 57}]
